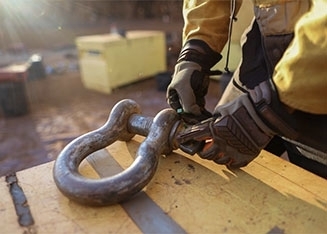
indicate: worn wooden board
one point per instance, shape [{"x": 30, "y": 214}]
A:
[{"x": 187, "y": 194}]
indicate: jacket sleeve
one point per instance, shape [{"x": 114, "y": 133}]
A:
[
  {"x": 208, "y": 20},
  {"x": 300, "y": 76}
]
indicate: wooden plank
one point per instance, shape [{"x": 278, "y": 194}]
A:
[
  {"x": 269, "y": 195},
  {"x": 152, "y": 218},
  {"x": 54, "y": 212},
  {"x": 261, "y": 197}
]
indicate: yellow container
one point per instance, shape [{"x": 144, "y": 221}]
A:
[{"x": 108, "y": 61}]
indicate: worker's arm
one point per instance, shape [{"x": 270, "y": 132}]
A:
[
  {"x": 300, "y": 76},
  {"x": 208, "y": 21},
  {"x": 246, "y": 124},
  {"x": 205, "y": 34}
]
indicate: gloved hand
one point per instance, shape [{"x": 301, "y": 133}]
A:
[
  {"x": 238, "y": 134},
  {"x": 189, "y": 85}
]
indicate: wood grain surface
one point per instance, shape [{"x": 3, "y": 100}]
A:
[{"x": 186, "y": 195}]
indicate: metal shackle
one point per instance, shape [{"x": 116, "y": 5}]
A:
[{"x": 123, "y": 123}]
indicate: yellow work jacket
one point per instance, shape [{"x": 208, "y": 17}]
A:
[{"x": 300, "y": 76}]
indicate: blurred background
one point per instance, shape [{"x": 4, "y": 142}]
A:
[
  {"x": 49, "y": 23},
  {"x": 45, "y": 101}
]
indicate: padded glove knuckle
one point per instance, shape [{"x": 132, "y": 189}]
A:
[{"x": 238, "y": 134}]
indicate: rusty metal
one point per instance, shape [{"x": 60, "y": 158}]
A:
[
  {"x": 25, "y": 218},
  {"x": 164, "y": 133},
  {"x": 124, "y": 122}
]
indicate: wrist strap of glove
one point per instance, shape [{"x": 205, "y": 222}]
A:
[
  {"x": 302, "y": 129},
  {"x": 198, "y": 51},
  {"x": 265, "y": 101}
]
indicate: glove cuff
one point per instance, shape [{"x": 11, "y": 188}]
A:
[
  {"x": 304, "y": 128},
  {"x": 267, "y": 104},
  {"x": 199, "y": 52}
]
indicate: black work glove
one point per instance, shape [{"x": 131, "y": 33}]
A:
[
  {"x": 189, "y": 86},
  {"x": 238, "y": 134}
]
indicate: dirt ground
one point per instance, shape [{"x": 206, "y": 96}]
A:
[{"x": 61, "y": 109}]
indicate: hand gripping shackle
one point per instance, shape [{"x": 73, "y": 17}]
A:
[{"x": 123, "y": 123}]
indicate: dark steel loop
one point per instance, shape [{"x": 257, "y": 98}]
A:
[{"x": 123, "y": 123}]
